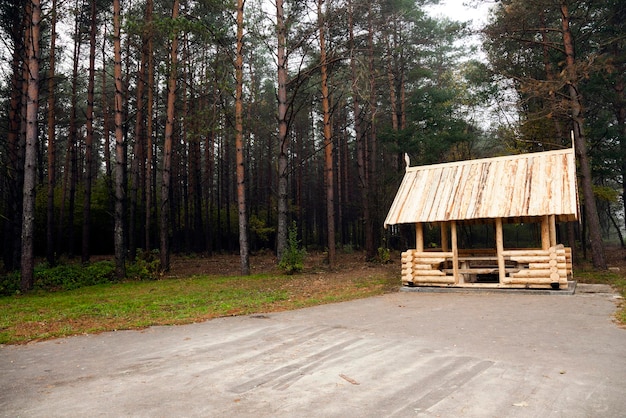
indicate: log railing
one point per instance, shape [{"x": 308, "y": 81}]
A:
[{"x": 532, "y": 268}]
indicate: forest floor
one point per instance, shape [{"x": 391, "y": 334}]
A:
[
  {"x": 316, "y": 272},
  {"x": 348, "y": 265}
]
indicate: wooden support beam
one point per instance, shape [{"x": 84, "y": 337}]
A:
[
  {"x": 445, "y": 245},
  {"x": 455, "y": 255},
  {"x": 500, "y": 250},
  {"x": 552, "y": 221},
  {"x": 545, "y": 232},
  {"x": 419, "y": 237}
]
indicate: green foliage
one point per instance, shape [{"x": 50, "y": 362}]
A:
[
  {"x": 260, "y": 233},
  {"x": 73, "y": 276},
  {"x": 292, "y": 260},
  {"x": 348, "y": 248},
  {"x": 605, "y": 193},
  {"x": 147, "y": 266},
  {"x": 69, "y": 276},
  {"x": 10, "y": 284},
  {"x": 384, "y": 255}
]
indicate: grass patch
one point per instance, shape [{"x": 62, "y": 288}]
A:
[
  {"x": 614, "y": 279},
  {"x": 138, "y": 304}
]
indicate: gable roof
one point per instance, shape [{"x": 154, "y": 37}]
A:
[{"x": 518, "y": 186}]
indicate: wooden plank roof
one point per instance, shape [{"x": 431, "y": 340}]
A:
[{"x": 518, "y": 187}]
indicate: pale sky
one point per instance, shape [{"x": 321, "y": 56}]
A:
[{"x": 456, "y": 10}]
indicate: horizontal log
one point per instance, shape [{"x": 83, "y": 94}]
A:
[
  {"x": 534, "y": 259},
  {"x": 431, "y": 279},
  {"x": 436, "y": 254},
  {"x": 430, "y": 260},
  {"x": 428, "y": 272},
  {"x": 532, "y": 252},
  {"x": 540, "y": 266},
  {"x": 515, "y": 253},
  {"x": 538, "y": 273},
  {"x": 424, "y": 267},
  {"x": 533, "y": 280},
  {"x": 481, "y": 270}
]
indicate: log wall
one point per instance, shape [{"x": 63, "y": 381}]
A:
[
  {"x": 540, "y": 268},
  {"x": 425, "y": 268},
  {"x": 525, "y": 268}
]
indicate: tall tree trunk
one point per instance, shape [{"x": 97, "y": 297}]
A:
[
  {"x": 368, "y": 148},
  {"x": 138, "y": 150},
  {"x": 328, "y": 140},
  {"x": 120, "y": 168},
  {"x": 241, "y": 172},
  {"x": 105, "y": 113},
  {"x": 186, "y": 157},
  {"x": 11, "y": 230},
  {"x": 283, "y": 139},
  {"x": 621, "y": 122},
  {"x": 591, "y": 211},
  {"x": 149, "y": 186},
  {"x": 50, "y": 221},
  {"x": 28, "y": 214},
  {"x": 89, "y": 137},
  {"x": 167, "y": 150},
  {"x": 73, "y": 134}
]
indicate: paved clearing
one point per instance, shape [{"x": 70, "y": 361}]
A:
[{"x": 402, "y": 354}]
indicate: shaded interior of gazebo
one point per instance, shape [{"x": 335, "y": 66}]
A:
[{"x": 529, "y": 188}]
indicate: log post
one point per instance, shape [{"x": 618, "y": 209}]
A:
[
  {"x": 552, "y": 221},
  {"x": 500, "y": 250},
  {"x": 545, "y": 232},
  {"x": 419, "y": 237},
  {"x": 455, "y": 254},
  {"x": 445, "y": 245}
]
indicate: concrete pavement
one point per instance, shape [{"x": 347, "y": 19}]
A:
[{"x": 402, "y": 355}]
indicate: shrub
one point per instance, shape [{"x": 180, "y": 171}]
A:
[
  {"x": 73, "y": 276},
  {"x": 10, "y": 284},
  {"x": 292, "y": 260},
  {"x": 145, "y": 267},
  {"x": 384, "y": 255}
]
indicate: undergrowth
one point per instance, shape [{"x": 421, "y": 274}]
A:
[{"x": 74, "y": 275}]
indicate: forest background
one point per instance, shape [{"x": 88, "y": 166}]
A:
[{"x": 142, "y": 128}]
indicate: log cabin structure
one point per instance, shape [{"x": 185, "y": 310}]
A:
[{"x": 537, "y": 188}]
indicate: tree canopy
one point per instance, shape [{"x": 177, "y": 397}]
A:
[{"x": 155, "y": 143}]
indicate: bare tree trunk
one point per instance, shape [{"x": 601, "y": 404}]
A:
[
  {"x": 241, "y": 184},
  {"x": 591, "y": 211},
  {"x": 149, "y": 125},
  {"x": 73, "y": 135},
  {"x": 89, "y": 137},
  {"x": 138, "y": 151},
  {"x": 328, "y": 140},
  {"x": 167, "y": 151},
  {"x": 283, "y": 139},
  {"x": 105, "y": 113},
  {"x": 120, "y": 190},
  {"x": 368, "y": 149},
  {"x": 50, "y": 241},
  {"x": 621, "y": 123},
  {"x": 28, "y": 214},
  {"x": 14, "y": 166}
]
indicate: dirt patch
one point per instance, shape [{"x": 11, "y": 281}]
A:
[{"x": 348, "y": 266}]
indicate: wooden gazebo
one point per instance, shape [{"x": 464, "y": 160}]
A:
[{"x": 527, "y": 188}]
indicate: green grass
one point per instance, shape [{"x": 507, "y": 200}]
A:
[
  {"x": 138, "y": 304},
  {"x": 614, "y": 279}
]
